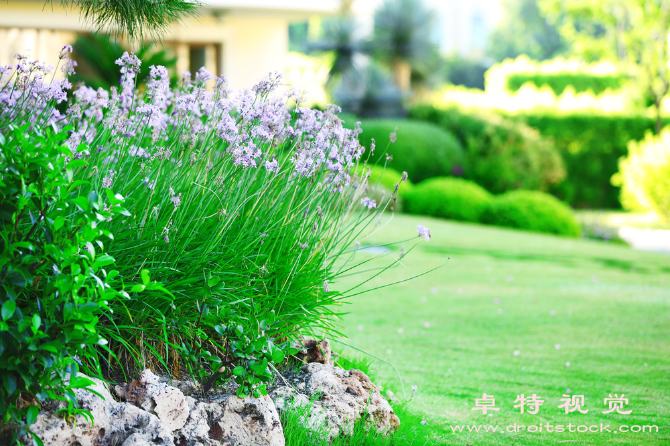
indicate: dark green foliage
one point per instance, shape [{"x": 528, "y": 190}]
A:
[
  {"x": 591, "y": 146},
  {"x": 96, "y": 55},
  {"x": 452, "y": 198},
  {"x": 532, "y": 211},
  {"x": 422, "y": 149},
  {"x": 501, "y": 154},
  {"x": 136, "y": 18},
  {"x": 56, "y": 281},
  {"x": 467, "y": 72},
  {"x": 558, "y": 82}
]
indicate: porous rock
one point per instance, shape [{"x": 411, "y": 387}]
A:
[
  {"x": 166, "y": 402},
  {"x": 315, "y": 351},
  {"x": 156, "y": 414},
  {"x": 114, "y": 423},
  {"x": 233, "y": 421},
  {"x": 342, "y": 397}
]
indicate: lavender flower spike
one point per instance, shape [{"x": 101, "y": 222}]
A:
[
  {"x": 369, "y": 203},
  {"x": 423, "y": 232}
]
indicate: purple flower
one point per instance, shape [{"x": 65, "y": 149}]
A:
[
  {"x": 423, "y": 232},
  {"x": 65, "y": 51},
  {"x": 393, "y": 136},
  {"x": 369, "y": 203},
  {"x": 176, "y": 200},
  {"x": 272, "y": 166},
  {"x": 303, "y": 245}
]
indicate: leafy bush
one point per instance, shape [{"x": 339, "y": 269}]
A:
[
  {"x": 422, "y": 149},
  {"x": 558, "y": 82},
  {"x": 452, "y": 198},
  {"x": 58, "y": 282},
  {"x": 96, "y": 56},
  {"x": 500, "y": 154},
  {"x": 236, "y": 201},
  {"x": 590, "y": 146},
  {"x": 645, "y": 175},
  {"x": 532, "y": 211}
]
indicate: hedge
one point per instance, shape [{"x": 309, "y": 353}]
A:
[
  {"x": 452, "y": 198},
  {"x": 591, "y": 146},
  {"x": 532, "y": 211},
  {"x": 422, "y": 149},
  {"x": 501, "y": 154},
  {"x": 558, "y": 82}
]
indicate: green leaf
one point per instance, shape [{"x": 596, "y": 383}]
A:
[
  {"x": 103, "y": 260},
  {"x": 278, "y": 356},
  {"x": 238, "y": 371},
  {"x": 145, "y": 276},
  {"x": 9, "y": 381},
  {"x": 8, "y": 309},
  {"x": 213, "y": 281},
  {"x": 37, "y": 321},
  {"x": 58, "y": 223},
  {"x": 31, "y": 414},
  {"x": 82, "y": 202},
  {"x": 138, "y": 288}
]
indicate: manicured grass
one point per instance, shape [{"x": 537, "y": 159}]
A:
[{"x": 605, "y": 306}]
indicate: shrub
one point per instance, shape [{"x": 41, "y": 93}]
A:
[
  {"x": 645, "y": 175},
  {"x": 500, "y": 154},
  {"x": 58, "y": 281},
  {"x": 532, "y": 211},
  {"x": 590, "y": 146},
  {"x": 452, "y": 198},
  {"x": 422, "y": 149}
]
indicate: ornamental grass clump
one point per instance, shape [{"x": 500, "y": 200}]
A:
[{"x": 245, "y": 205}]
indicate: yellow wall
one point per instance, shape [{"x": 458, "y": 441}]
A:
[{"x": 249, "y": 45}]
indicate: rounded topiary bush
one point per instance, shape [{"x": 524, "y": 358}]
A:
[
  {"x": 422, "y": 149},
  {"x": 532, "y": 211},
  {"x": 500, "y": 154},
  {"x": 452, "y": 198}
]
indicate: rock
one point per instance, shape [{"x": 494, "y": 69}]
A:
[
  {"x": 166, "y": 402},
  {"x": 114, "y": 423},
  {"x": 156, "y": 414},
  {"x": 345, "y": 396},
  {"x": 232, "y": 421},
  {"x": 315, "y": 351}
]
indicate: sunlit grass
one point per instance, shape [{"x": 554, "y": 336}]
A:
[{"x": 603, "y": 308}]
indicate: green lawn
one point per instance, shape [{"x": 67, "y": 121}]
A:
[{"x": 506, "y": 315}]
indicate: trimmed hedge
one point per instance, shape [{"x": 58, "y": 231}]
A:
[
  {"x": 502, "y": 154},
  {"x": 532, "y": 211},
  {"x": 558, "y": 82},
  {"x": 452, "y": 198},
  {"x": 591, "y": 146},
  {"x": 422, "y": 149}
]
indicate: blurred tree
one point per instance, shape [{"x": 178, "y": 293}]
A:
[
  {"x": 96, "y": 56},
  {"x": 369, "y": 93},
  {"x": 341, "y": 37},
  {"x": 633, "y": 31},
  {"x": 403, "y": 37},
  {"x": 525, "y": 30},
  {"x": 135, "y": 18}
]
